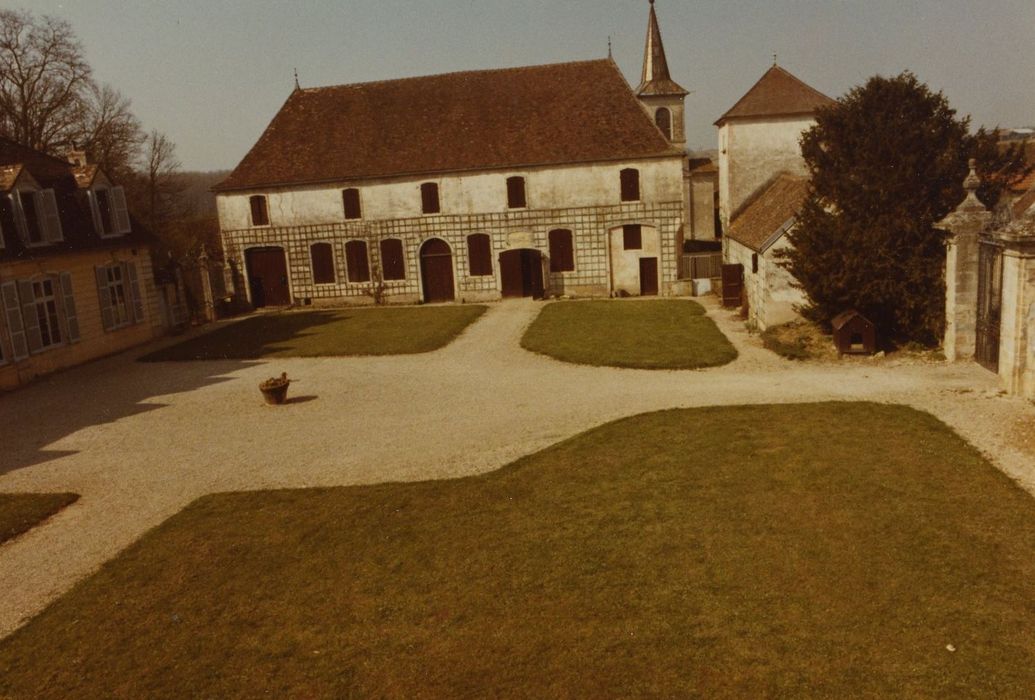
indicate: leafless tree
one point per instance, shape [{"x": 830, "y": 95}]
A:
[
  {"x": 161, "y": 168},
  {"x": 44, "y": 80},
  {"x": 109, "y": 131}
]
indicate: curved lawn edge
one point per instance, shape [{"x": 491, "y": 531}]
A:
[
  {"x": 20, "y": 512},
  {"x": 653, "y": 526},
  {"x": 362, "y": 331},
  {"x": 652, "y": 334}
]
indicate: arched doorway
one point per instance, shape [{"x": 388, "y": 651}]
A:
[
  {"x": 267, "y": 277},
  {"x": 521, "y": 273},
  {"x": 436, "y": 271}
]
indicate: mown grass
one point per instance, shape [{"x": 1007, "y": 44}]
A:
[
  {"x": 823, "y": 550},
  {"x": 20, "y": 512},
  {"x": 640, "y": 334},
  {"x": 373, "y": 331}
]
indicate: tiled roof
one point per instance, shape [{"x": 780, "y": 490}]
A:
[
  {"x": 480, "y": 120},
  {"x": 656, "y": 79},
  {"x": 777, "y": 93},
  {"x": 1023, "y": 203},
  {"x": 775, "y": 205},
  {"x": 76, "y": 218},
  {"x": 700, "y": 166}
]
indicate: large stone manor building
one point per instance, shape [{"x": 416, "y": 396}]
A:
[{"x": 543, "y": 180}]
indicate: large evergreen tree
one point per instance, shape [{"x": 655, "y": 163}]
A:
[{"x": 887, "y": 162}]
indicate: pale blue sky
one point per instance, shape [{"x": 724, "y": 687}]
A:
[{"x": 212, "y": 74}]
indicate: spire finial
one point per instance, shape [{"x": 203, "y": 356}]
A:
[
  {"x": 774, "y": 58},
  {"x": 297, "y": 86},
  {"x": 609, "y": 46}
]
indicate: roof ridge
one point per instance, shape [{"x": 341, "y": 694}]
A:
[
  {"x": 479, "y": 71},
  {"x": 775, "y": 68}
]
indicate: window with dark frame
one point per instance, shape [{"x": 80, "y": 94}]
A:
[
  {"x": 479, "y": 254},
  {"x": 322, "y": 258},
  {"x": 429, "y": 198},
  {"x": 630, "y": 178},
  {"x": 260, "y": 212},
  {"x": 393, "y": 266},
  {"x": 356, "y": 262},
  {"x": 516, "y": 192},
  {"x": 562, "y": 255},
  {"x": 104, "y": 210},
  {"x": 663, "y": 118},
  {"x": 632, "y": 237},
  {"x": 47, "y": 313},
  {"x": 33, "y": 231},
  {"x": 350, "y": 202}
]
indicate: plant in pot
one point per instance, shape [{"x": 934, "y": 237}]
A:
[{"x": 274, "y": 389}]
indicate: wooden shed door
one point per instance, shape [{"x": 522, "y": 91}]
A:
[
  {"x": 521, "y": 273},
  {"x": 648, "y": 277},
  {"x": 268, "y": 277},
  {"x": 436, "y": 270},
  {"x": 732, "y": 284}
]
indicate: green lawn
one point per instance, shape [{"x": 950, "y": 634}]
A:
[
  {"x": 20, "y": 512},
  {"x": 368, "y": 331},
  {"x": 642, "y": 334},
  {"x": 820, "y": 550}
]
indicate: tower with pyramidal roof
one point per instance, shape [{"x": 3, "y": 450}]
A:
[{"x": 661, "y": 96}]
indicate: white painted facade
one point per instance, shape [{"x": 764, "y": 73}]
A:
[
  {"x": 772, "y": 298},
  {"x": 751, "y": 151}
]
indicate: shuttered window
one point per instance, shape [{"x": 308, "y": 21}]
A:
[
  {"x": 356, "y": 261},
  {"x": 110, "y": 212},
  {"x": 632, "y": 237},
  {"x": 393, "y": 265},
  {"x": 118, "y": 290},
  {"x": 516, "y": 192},
  {"x": 479, "y": 254},
  {"x": 260, "y": 212},
  {"x": 322, "y": 257},
  {"x": 15, "y": 325},
  {"x": 45, "y": 307},
  {"x": 350, "y": 202},
  {"x": 107, "y": 220},
  {"x": 630, "y": 179},
  {"x": 562, "y": 256},
  {"x": 429, "y": 198},
  {"x": 35, "y": 214},
  {"x": 118, "y": 201},
  {"x": 68, "y": 304}
]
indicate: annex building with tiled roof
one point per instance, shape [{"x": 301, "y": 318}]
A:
[
  {"x": 542, "y": 180},
  {"x": 75, "y": 269}
]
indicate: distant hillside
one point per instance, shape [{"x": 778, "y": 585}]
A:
[{"x": 198, "y": 198}]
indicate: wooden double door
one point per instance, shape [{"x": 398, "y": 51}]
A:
[
  {"x": 436, "y": 271},
  {"x": 268, "y": 277},
  {"x": 521, "y": 273}
]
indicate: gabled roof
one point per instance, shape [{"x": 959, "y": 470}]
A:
[
  {"x": 9, "y": 175},
  {"x": 770, "y": 213},
  {"x": 479, "y": 120},
  {"x": 776, "y": 94},
  {"x": 1023, "y": 204},
  {"x": 656, "y": 79}
]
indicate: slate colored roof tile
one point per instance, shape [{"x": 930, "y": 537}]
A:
[
  {"x": 774, "y": 206},
  {"x": 777, "y": 93},
  {"x": 479, "y": 120}
]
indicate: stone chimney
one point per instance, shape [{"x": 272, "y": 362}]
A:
[{"x": 76, "y": 157}]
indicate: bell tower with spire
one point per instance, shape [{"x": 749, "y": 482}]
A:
[{"x": 660, "y": 95}]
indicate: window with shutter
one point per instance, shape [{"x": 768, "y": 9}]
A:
[
  {"x": 134, "y": 287},
  {"x": 630, "y": 180},
  {"x": 29, "y": 205},
  {"x": 479, "y": 254},
  {"x": 663, "y": 118},
  {"x": 104, "y": 213},
  {"x": 15, "y": 324},
  {"x": 429, "y": 198},
  {"x": 632, "y": 237},
  {"x": 104, "y": 298},
  {"x": 356, "y": 262},
  {"x": 322, "y": 259},
  {"x": 260, "y": 211},
  {"x": 350, "y": 201},
  {"x": 393, "y": 265},
  {"x": 516, "y": 192},
  {"x": 562, "y": 256},
  {"x": 15, "y": 202},
  {"x": 68, "y": 301},
  {"x": 50, "y": 216},
  {"x": 121, "y": 211},
  {"x": 115, "y": 287},
  {"x": 27, "y": 297}
]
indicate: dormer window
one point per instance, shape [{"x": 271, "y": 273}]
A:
[
  {"x": 36, "y": 217},
  {"x": 110, "y": 214},
  {"x": 260, "y": 210}
]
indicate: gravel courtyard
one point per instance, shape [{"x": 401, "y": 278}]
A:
[{"x": 140, "y": 441}]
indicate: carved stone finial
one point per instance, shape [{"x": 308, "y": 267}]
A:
[{"x": 972, "y": 182}]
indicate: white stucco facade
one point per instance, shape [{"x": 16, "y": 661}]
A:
[
  {"x": 772, "y": 298},
  {"x": 752, "y": 151}
]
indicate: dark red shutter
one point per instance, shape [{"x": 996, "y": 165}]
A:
[
  {"x": 632, "y": 237},
  {"x": 516, "y": 192},
  {"x": 392, "y": 265},
  {"x": 260, "y": 215},
  {"x": 479, "y": 253},
  {"x": 350, "y": 201},
  {"x": 562, "y": 257},
  {"x": 356, "y": 261},
  {"x": 630, "y": 185},
  {"x": 429, "y": 198},
  {"x": 322, "y": 255}
]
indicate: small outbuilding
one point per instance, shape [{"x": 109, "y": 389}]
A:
[{"x": 854, "y": 334}]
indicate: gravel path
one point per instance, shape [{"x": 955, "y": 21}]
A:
[{"x": 140, "y": 441}]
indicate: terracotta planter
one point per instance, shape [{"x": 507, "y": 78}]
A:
[{"x": 274, "y": 389}]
